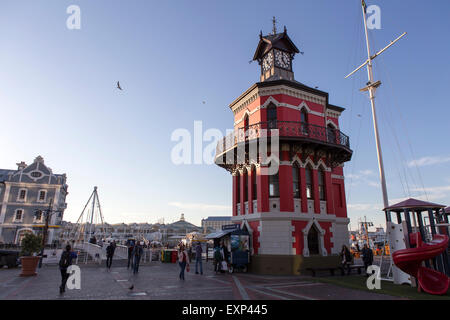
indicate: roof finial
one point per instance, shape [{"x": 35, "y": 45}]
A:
[{"x": 274, "y": 21}]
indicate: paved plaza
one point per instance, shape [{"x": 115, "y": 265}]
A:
[{"x": 159, "y": 281}]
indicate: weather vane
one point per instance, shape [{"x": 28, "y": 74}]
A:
[{"x": 274, "y": 21}]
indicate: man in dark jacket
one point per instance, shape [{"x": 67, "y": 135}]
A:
[
  {"x": 109, "y": 254},
  {"x": 64, "y": 263},
  {"x": 137, "y": 254},
  {"x": 130, "y": 253},
  {"x": 367, "y": 256}
]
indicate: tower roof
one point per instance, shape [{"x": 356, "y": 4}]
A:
[{"x": 279, "y": 41}]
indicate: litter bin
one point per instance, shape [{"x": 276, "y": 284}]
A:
[
  {"x": 167, "y": 256},
  {"x": 174, "y": 256}
]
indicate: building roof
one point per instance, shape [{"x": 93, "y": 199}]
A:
[
  {"x": 279, "y": 41},
  {"x": 413, "y": 204},
  {"x": 181, "y": 225},
  {"x": 4, "y": 174},
  {"x": 223, "y": 218}
]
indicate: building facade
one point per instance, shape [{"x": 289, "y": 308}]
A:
[
  {"x": 298, "y": 212},
  {"x": 25, "y": 194},
  {"x": 215, "y": 223}
]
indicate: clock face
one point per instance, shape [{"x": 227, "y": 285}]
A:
[
  {"x": 283, "y": 59},
  {"x": 267, "y": 61}
]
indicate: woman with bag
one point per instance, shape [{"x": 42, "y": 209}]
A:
[{"x": 183, "y": 260}]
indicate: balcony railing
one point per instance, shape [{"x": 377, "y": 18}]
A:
[{"x": 287, "y": 129}]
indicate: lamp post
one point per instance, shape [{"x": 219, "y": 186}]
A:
[{"x": 48, "y": 213}]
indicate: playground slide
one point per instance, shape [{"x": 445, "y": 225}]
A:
[{"x": 410, "y": 261}]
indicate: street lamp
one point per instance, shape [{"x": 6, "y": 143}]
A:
[{"x": 48, "y": 213}]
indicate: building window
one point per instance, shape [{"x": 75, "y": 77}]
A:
[
  {"x": 331, "y": 134},
  {"x": 22, "y": 195},
  {"x": 246, "y": 124},
  {"x": 295, "y": 181},
  {"x": 309, "y": 183},
  {"x": 245, "y": 177},
  {"x": 274, "y": 189},
  {"x": 38, "y": 216},
  {"x": 271, "y": 116},
  {"x": 254, "y": 183},
  {"x": 304, "y": 121},
  {"x": 42, "y": 195},
  {"x": 304, "y": 116},
  {"x": 313, "y": 241},
  {"x": 36, "y": 174},
  {"x": 321, "y": 176},
  {"x": 18, "y": 216}
]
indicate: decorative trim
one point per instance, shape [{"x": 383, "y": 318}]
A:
[
  {"x": 305, "y": 231},
  {"x": 15, "y": 215},
  {"x": 282, "y": 89},
  {"x": 18, "y": 195},
  {"x": 332, "y": 124},
  {"x": 337, "y": 176}
]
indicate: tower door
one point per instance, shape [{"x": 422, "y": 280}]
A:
[{"x": 313, "y": 240}]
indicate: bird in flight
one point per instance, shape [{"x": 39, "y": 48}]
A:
[{"x": 118, "y": 86}]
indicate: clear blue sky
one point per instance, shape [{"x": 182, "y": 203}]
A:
[{"x": 58, "y": 96}]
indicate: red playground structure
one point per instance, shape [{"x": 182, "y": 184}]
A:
[
  {"x": 410, "y": 261},
  {"x": 432, "y": 278}
]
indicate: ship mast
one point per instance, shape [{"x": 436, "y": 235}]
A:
[{"x": 371, "y": 87}]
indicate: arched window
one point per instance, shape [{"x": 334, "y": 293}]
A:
[
  {"x": 331, "y": 133},
  {"x": 296, "y": 180},
  {"x": 313, "y": 240},
  {"x": 245, "y": 177},
  {"x": 304, "y": 121},
  {"x": 309, "y": 183},
  {"x": 274, "y": 188},
  {"x": 321, "y": 178},
  {"x": 304, "y": 116},
  {"x": 254, "y": 183},
  {"x": 271, "y": 116}
]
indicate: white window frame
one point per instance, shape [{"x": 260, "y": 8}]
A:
[
  {"x": 26, "y": 194},
  {"x": 41, "y": 219},
  {"x": 39, "y": 196},
  {"x": 15, "y": 215}
]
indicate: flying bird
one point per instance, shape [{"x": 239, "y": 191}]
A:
[
  {"x": 118, "y": 86},
  {"x": 203, "y": 102}
]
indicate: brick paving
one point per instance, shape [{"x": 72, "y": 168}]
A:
[{"x": 159, "y": 281}]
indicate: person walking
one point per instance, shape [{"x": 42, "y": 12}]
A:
[
  {"x": 217, "y": 259},
  {"x": 109, "y": 254},
  {"x": 346, "y": 258},
  {"x": 130, "y": 254},
  {"x": 137, "y": 254},
  {"x": 66, "y": 260},
  {"x": 225, "y": 257},
  {"x": 183, "y": 260},
  {"x": 198, "y": 258},
  {"x": 367, "y": 257}
]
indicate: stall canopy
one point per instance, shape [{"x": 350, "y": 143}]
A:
[
  {"x": 413, "y": 204},
  {"x": 217, "y": 235}
]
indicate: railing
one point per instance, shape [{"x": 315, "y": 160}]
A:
[{"x": 286, "y": 129}]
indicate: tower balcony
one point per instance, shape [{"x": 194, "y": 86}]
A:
[{"x": 329, "y": 139}]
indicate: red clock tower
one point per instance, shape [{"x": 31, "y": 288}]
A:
[{"x": 297, "y": 217}]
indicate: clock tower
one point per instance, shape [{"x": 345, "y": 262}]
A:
[
  {"x": 296, "y": 215},
  {"x": 274, "y": 54}
]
